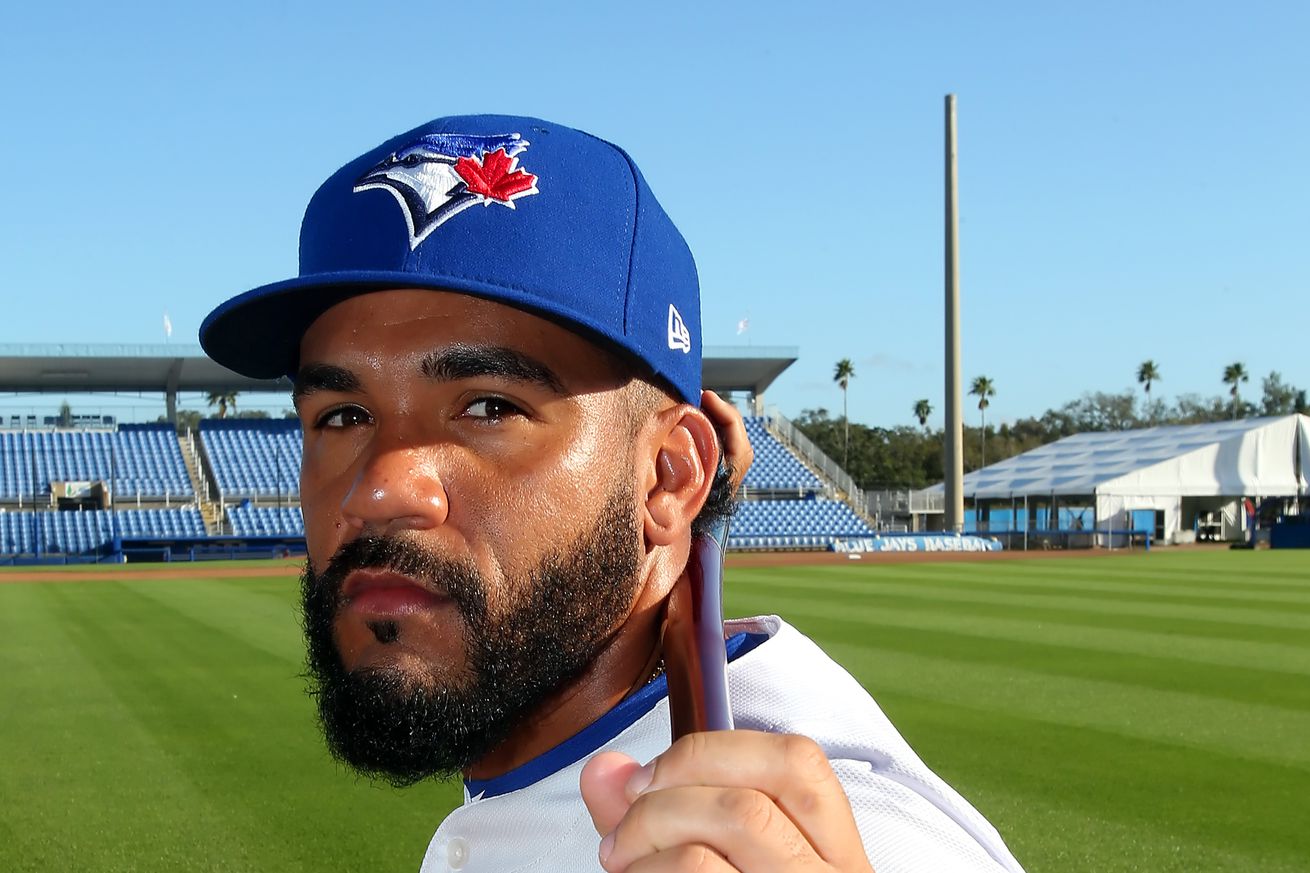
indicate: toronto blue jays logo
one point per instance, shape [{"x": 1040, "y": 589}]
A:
[{"x": 440, "y": 175}]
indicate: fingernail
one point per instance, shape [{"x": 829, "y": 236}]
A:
[
  {"x": 640, "y": 781},
  {"x": 606, "y": 847}
]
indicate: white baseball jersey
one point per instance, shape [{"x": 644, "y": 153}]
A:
[{"x": 532, "y": 819}]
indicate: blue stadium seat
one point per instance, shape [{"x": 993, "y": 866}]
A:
[
  {"x": 775, "y": 468},
  {"x": 775, "y": 524},
  {"x": 261, "y": 521},
  {"x": 91, "y": 530},
  {"x": 253, "y": 458},
  {"x": 135, "y": 459}
]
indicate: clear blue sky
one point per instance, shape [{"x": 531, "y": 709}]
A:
[{"x": 1133, "y": 175}]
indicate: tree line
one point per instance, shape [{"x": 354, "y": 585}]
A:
[
  {"x": 906, "y": 456},
  {"x": 223, "y": 404}
]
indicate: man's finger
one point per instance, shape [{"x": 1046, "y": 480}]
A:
[
  {"x": 742, "y": 825},
  {"x": 791, "y": 770},
  {"x": 737, "y": 450},
  {"x": 603, "y": 782},
  {"x": 680, "y": 859}
]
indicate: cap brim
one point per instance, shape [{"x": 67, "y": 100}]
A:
[{"x": 258, "y": 333}]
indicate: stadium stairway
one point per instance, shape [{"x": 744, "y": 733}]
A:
[
  {"x": 837, "y": 480},
  {"x": 208, "y": 510}
]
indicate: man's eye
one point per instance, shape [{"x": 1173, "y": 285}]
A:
[
  {"x": 346, "y": 416},
  {"x": 492, "y": 408}
]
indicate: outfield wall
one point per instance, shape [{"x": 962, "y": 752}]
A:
[{"x": 917, "y": 543}]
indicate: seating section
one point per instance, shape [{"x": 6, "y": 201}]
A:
[
  {"x": 775, "y": 468},
  {"x": 253, "y": 457},
  {"x": 160, "y": 524},
  {"x": 136, "y": 460},
  {"x": 63, "y": 532},
  {"x": 90, "y": 530},
  {"x": 17, "y": 534},
  {"x": 782, "y": 524},
  {"x": 266, "y": 521},
  {"x": 254, "y": 460}
]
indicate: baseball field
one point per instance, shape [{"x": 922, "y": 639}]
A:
[{"x": 1144, "y": 712}]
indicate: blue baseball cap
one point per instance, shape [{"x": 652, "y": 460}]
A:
[{"x": 528, "y": 213}]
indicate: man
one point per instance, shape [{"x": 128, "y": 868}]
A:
[{"x": 495, "y": 346}]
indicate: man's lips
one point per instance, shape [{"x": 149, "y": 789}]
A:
[{"x": 387, "y": 593}]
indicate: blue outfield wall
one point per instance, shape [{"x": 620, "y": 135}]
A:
[
  {"x": 1291, "y": 533},
  {"x": 1069, "y": 519}
]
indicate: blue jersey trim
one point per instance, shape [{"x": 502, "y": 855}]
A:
[{"x": 596, "y": 734}]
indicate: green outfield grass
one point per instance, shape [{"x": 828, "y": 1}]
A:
[{"x": 1128, "y": 713}]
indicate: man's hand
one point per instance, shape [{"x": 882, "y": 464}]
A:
[
  {"x": 737, "y": 451},
  {"x": 723, "y": 801}
]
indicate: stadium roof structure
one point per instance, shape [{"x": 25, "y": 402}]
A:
[
  {"x": 1247, "y": 457},
  {"x": 169, "y": 368}
]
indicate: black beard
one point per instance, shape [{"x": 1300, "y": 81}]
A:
[{"x": 392, "y": 725}]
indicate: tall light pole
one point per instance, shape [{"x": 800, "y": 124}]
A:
[{"x": 953, "y": 460}]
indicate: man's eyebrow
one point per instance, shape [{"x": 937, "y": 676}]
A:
[
  {"x": 324, "y": 377},
  {"x": 467, "y": 362}
]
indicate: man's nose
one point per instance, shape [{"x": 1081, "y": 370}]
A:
[{"x": 398, "y": 488}]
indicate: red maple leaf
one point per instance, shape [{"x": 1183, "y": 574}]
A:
[{"x": 494, "y": 178}]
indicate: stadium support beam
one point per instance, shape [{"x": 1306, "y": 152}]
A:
[
  {"x": 170, "y": 390},
  {"x": 953, "y": 445}
]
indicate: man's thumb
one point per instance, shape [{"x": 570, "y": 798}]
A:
[{"x": 602, "y": 782}]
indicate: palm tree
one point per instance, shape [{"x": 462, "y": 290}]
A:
[
  {"x": 842, "y": 375},
  {"x": 223, "y": 400},
  {"x": 982, "y": 388},
  {"x": 1147, "y": 372},
  {"x": 1233, "y": 374},
  {"x": 922, "y": 409}
]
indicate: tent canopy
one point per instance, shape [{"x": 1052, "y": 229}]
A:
[{"x": 1252, "y": 456}]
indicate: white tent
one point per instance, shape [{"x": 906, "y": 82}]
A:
[{"x": 1185, "y": 472}]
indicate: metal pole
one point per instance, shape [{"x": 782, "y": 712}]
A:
[{"x": 953, "y": 444}]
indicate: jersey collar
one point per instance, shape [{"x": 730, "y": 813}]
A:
[{"x": 595, "y": 735}]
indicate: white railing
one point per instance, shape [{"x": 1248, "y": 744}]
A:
[
  {"x": 803, "y": 446},
  {"x": 904, "y": 502},
  {"x": 203, "y": 492}
]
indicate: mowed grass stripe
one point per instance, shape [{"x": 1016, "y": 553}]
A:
[
  {"x": 99, "y": 760},
  {"x": 1047, "y": 717},
  {"x": 1251, "y": 731},
  {"x": 160, "y": 664},
  {"x": 259, "y": 615},
  {"x": 1159, "y": 661},
  {"x": 259, "y": 721},
  {"x": 1263, "y": 712},
  {"x": 1087, "y": 797},
  {"x": 1278, "y": 619},
  {"x": 1141, "y": 588},
  {"x": 231, "y": 720},
  {"x": 1078, "y": 800},
  {"x": 1225, "y": 570},
  {"x": 966, "y": 599}
]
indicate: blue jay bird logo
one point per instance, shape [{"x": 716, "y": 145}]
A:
[{"x": 441, "y": 174}]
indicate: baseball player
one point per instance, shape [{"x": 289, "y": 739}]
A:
[{"x": 495, "y": 346}]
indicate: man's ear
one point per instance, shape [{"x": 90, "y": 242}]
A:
[{"x": 684, "y": 457}]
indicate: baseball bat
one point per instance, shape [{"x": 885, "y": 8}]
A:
[{"x": 695, "y": 657}]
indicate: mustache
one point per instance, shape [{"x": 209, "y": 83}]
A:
[{"x": 458, "y": 580}]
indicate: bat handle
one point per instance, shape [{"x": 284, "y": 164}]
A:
[{"x": 695, "y": 657}]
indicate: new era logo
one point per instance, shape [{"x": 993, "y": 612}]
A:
[{"x": 679, "y": 336}]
